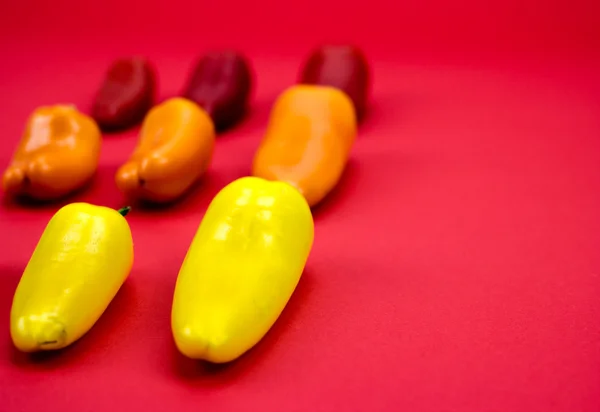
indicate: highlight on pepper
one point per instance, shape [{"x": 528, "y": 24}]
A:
[
  {"x": 173, "y": 152},
  {"x": 58, "y": 153},
  {"x": 241, "y": 269},
  {"x": 308, "y": 140},
  {"x": 81, "y": 260}
]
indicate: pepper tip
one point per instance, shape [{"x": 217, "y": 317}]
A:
[{"x": 124, "y": 210}]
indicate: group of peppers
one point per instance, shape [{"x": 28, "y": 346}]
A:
[{"x": 253, "y": 242}]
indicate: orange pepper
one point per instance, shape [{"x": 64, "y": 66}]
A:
[
  {"x": 308, "y": 140},
  {"x": 58, "y": 153},
  {"x": 174, "y": 150}
]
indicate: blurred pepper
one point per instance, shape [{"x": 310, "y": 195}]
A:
[
  {"x": 342, "y": 66},
  {"x": 221, "y": 83},
  {"x": 80, "y": 262},
  {"x": 241, "y": 268},
  {"x": 173, "y": 151},
  {"x": 126, "y": 94},
  {"x": 58, "y": 153},
  {"x": 308, "y": 140}
]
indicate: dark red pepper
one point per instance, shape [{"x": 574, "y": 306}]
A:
[
  {"x": 221, "y": 83},
  {"x": 342, "y": 66},
  {"x": 126, "y": 94}
]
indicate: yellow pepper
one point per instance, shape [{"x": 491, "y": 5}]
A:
[
  {"x": 80, "y": 262},
  {"x": 241, "y": 268}
]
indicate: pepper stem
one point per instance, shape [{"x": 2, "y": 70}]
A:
[{"x": 124, "y": 210}]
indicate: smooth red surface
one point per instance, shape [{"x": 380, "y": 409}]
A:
[{"x": 457, "y": 266}]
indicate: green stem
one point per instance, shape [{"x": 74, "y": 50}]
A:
[{"x": 124, "y": 210}]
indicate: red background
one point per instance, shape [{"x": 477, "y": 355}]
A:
[{"x": 456, "y": 266}]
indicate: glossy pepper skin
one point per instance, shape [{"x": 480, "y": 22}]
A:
[
  {"x": 173, "y": 151},
  {"x": 80, "y": 262},
  {"x": 308, "y": 140},
  {"x": 241, "y": 268},
  {"x": 127, "y": 92},
  {"x": 58, "y": 154}
]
